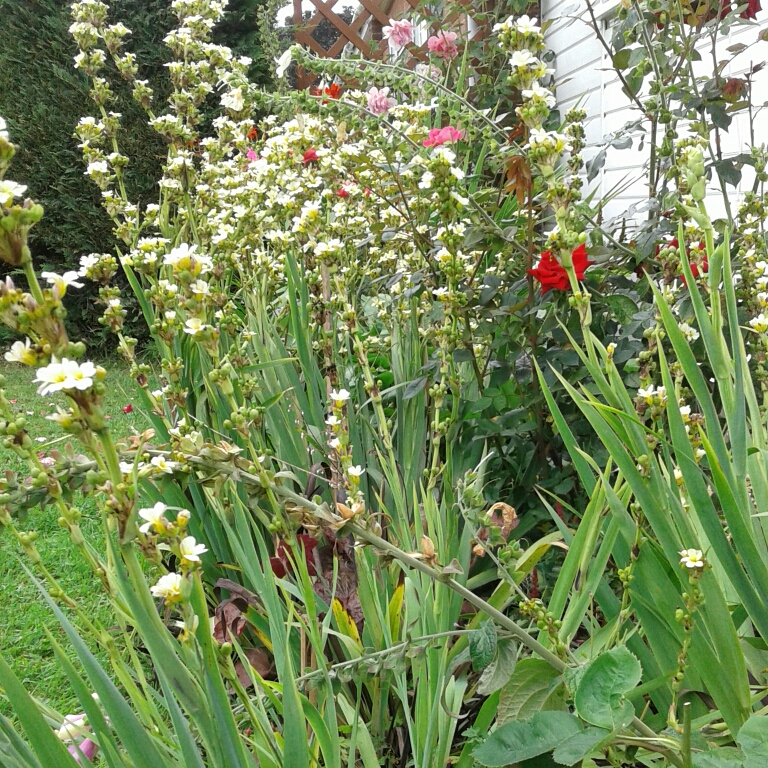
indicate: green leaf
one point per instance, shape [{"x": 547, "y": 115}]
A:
[
  {"x": 482, "y": 645},
  {"x": 528, "y": 691},
  {"x": 621, "y": 59},
  {"x": 497, "y": 674},
  {"x": 524, "y": 739},
  {"x": 728, "y": 172},
  {"x": 49, "y": 750},
  {"x": 753, "y": 739},
  {"x": 578, "y": 747},
  {"x": 622, "y": 308},
  {"x": 599, "y": 697},
  {"x": 722, "y": 758}
]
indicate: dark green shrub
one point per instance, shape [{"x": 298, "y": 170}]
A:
[{"x": 43, "y": 97}]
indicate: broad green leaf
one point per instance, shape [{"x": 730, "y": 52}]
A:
[
  {"x": 578, "y": 747},
  {"x": 721, "y": 758},
  {"x": 528, "y": 691},
  {"x": 524, "y": 739},
  {"x": 482, "y": 645},
  {"x": 599, "y": 697},
  {"x": 753, "y": 739}
]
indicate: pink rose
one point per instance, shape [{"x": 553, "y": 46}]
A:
[
  {"x": 443, "y": 45},
  {"x": 440, "y": 136},
  {"x": 379, "y": 102},
  {"x": 399, "y": 33}
]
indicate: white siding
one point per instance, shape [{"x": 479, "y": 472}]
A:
[{"x": 584, "y": 77}]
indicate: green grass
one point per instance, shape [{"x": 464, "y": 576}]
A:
[{"x": 23, "y": 614}]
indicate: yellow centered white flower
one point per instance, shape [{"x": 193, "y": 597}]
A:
[
  {"x": 190, "y": 550},
  {"x": 194, "y": 326},
  {"x": 154, "y": 517},
  {"x": 9, "y": 190},
  {"x": 161, "y": 464},
  {"x": 168, "y": 587},
  {"x": 355, "y": 471},
  {"x": 339, "y": 397},
  {"x": 65, "y": 375},
  {"x": 62, "y": 282},
  {"x": 759, "y": 323},
  {"x": 692, "y": 558},
  {"x": 690, "y": 333},
  {"x": 21, "y": 352}
]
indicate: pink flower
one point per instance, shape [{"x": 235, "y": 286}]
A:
[
  {"x": 252, "y": 155},
  {"x": 443, "y": 45},
  {"x": 399, "y": 33},
  {"x": 87, "y": 747},
  {"x": 440, "y": 136},
  {"x": 379, "y": 102}
]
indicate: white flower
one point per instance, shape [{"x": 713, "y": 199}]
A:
[
  {"x": 194, "y": 326},
  {"x": 339, "y": 397},
  {"x": 21, "y": 352},
  {"x": 692, "y": 558},
  {"x": 51, "y": 377},
  {"x": 233, "y": 100},
  {"x": 62, "y": 282},
  {"x": 355, "y": 471},
  {"x": 162, "y": 465},
  {"x": 97, "y": 167},
  {"x": 9, "y": 190},
  {"x": 537, "y": 91},
  {"x": 527, "y": 25},
  {"x": 523, "y": 58},
  {"x": 331, "y": 421},
  {"x": 199, "y": 288},
  {"x": 283, "y": 63},
  {"x": 190, "y": 550},
  {"x": 759, "y": 323},
  {"x": 691, "y": 334},
  {"x": 4, "y": 130},
  {"x": 168, "y": 587},
  {"x": 79, "y": 375},
  {"x": 335, "y": 443},
  {"x": 154, "y": 517}
]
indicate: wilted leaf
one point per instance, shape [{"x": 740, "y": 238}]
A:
[
  {"x": 229, "y": 619},
  {"x": 259, "y": 660},
  {"x": 519, "y": 178}
]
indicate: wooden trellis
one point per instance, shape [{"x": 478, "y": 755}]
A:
[{"x": 375, "y": 14}]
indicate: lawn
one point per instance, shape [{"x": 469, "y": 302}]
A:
[{"x": 23, "y": 614}]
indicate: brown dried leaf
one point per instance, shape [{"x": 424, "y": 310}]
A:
[
  {"x": 229, "y": 619},
  {"x": 259, "y": 660},
  {"x": 519, "y": 178}
]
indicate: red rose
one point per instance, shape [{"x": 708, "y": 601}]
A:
[
  {"x": 551, "y": 274},
  {"x": 310, "y": 156},
  {"x": 128, "y": 408},
  {"x": 343, "y": 193}
]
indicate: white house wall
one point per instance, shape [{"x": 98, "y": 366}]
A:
[{"x": 585, "y": 78}]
